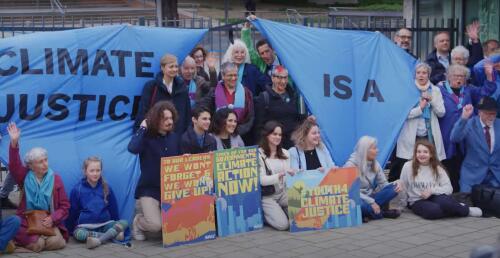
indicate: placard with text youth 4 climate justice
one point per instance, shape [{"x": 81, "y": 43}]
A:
[
  {"x": 187, "y": 203},
  {"x": 319, "y": 200}
]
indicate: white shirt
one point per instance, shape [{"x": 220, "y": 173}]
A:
[
  {"x": 443, "y": 59},
  {"x": 168, "y": 86},
  {"x": 492, "y": 134}
]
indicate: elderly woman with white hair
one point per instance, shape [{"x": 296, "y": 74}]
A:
[
  {"x": 421, "y": 123},
  {"x": 375, "y": 191},
  {"x": 457, "y": 93},
  {"x": 248, "y": 74},
  {"x": 197, "y": 86},
  {"x": 43, "y": 195},
  {"x": 460, "y": 56}
]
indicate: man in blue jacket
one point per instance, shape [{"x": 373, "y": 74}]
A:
[{"x": 481, "y": 136}]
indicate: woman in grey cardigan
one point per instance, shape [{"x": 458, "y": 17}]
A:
[
  {"x": 375, "y": 191},
  {"x": 225, "y": 131}
]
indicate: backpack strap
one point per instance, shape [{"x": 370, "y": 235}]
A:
[{"x": 265, "y": 94}]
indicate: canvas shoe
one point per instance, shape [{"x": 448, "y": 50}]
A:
[
  {"x": 475, "y": 212},
  {"x": 136, "y": 232}
]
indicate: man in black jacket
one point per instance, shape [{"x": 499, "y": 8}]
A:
[
  {"x": 278, "y": 102},
  {"x": 197, "y": 139}
]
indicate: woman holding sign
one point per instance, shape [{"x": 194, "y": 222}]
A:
[
  {"x": 375, "y": 191},
  {"x": 274, "y": 165},
  {"x": 155, "y": 139},
  {"x": 225, "y": 129},
  {"x": 309, "y": 152}
]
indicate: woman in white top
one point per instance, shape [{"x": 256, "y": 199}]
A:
[
  {"x": 274, "y": 165},
  {"x": 428, "y": 187},
  {"x": 422, "y": 121},
  {"x": 309, "y": 152}
]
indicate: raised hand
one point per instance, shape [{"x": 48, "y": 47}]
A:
[
  {"x": 467, "y": 111},
  {"x": 211, "y": 61},
  {"x": 472, "y": 31},
  {"x": 14, "y": 133},
  {"x": 488, "y": 70}
]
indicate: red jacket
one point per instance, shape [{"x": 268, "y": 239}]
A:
[{"x": 61, "y": 203}]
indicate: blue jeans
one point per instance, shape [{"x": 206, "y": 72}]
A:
[
  {"x": 8, "y": 230},
  {"x": 382, "y": 198}
]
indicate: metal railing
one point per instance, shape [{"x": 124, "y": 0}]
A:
[{"x": 217, "y": 39}]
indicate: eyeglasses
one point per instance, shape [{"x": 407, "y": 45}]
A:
[
  {"x": 458, "y": 75},
  {"x": 280, "y": 77}
]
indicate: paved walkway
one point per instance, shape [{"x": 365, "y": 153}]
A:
[{"x": 407, "y": 236}]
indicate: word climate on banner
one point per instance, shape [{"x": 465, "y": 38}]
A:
[
  {"x": 238, "y": 192},
  {"x": 319, "y": 200},
  {"x": 187, "y": 203}
]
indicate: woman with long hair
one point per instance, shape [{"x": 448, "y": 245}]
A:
[
  {"x": 375, "y": 191},
  {"x": 274, "y": 165},
  {"x": 428, "y": 187}
]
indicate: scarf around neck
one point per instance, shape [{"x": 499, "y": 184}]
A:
[
  {"x": 239, "y": 99},
  {"x": 39, "y": 195}
]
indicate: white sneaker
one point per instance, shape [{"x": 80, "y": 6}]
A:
[
  {"x": 136, "y": 232},
  {"x": 475, "y": 212}
]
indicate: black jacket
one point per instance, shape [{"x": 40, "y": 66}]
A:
[
  {"x": 189, "y": 143},
  {"x": 284, "y": 111},
  {"x": 438, "y": 73},
  {"x": 154, "y": 91}
]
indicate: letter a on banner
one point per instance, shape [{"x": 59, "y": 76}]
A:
[
  {"x": 237, "y": 187},
  {"x": 355, "y": 82}
]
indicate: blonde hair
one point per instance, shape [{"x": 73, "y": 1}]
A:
[
  {"x": 105, "y": 187},
  {"x": 300, "y": 134},
  {"x": 167, "y": 59}
]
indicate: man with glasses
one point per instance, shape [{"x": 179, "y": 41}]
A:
[
  {"x": 278, "y": 102},
  {"x": 403, "y": 38}
]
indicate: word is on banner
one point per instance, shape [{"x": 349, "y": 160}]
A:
[
  {"x": 187, "y": 203},
  {"x": 238, "y": 192},
  {"x": 319, "y": 200}
]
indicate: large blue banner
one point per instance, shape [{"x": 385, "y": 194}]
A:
[
  {"x": 355, "y": 82},
  {"x": 76, "y": 94}
]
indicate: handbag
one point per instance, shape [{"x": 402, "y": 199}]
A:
[
  {"x": 487, "y": 198},
  {"x": 35, "y": 226},
  {"x": 267, "y": 190}
]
